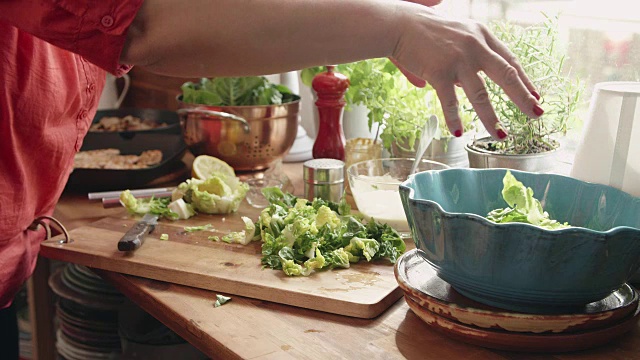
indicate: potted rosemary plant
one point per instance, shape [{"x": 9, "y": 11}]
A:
[
  {"x": 531, "y": 143},
  {"x": 399, "y": 109}
]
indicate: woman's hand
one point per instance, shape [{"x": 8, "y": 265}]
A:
[
  {"x": 446, "y": 52},
  {"x": 415, "y": 80}
]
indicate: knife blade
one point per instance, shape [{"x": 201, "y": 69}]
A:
[{"x": 134, "y": 237}]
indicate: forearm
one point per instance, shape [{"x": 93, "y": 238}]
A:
[
  {"x": 252, "y": 37},
  {"x": 212, "y": 38}
]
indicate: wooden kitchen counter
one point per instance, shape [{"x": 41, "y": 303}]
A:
[{"x": 252, "y": 329}]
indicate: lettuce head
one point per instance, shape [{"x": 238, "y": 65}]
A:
[{"x": 218, "y": 194}]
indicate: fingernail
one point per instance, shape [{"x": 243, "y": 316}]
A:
[
  {"x": 535, "y": 94},
  {"x": 458, "y": 133},
  {"x": 501, "y": 134},
  {"x": 537, "y": 110}
]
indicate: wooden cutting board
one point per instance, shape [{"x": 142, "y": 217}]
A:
[{"x": 364, "y": 290}]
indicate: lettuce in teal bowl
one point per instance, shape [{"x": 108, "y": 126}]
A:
[{"x": 517, "y": 265}]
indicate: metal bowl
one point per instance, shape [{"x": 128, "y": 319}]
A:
[{"x": 246, "y": 137}]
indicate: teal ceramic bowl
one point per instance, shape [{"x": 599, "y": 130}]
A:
[{"x": 517, "y": 266}]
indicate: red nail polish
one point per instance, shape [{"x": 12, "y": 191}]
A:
[
  {"x": 537, "y": 110},
  {"x": 501, "y": 134},
  {"x": 458, "y": 133},
  {"x": 535, "y": 94}
]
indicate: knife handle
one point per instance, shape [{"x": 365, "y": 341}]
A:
[{"x": 134, "y": 238}]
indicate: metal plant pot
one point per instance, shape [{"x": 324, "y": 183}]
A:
[{"x": 482, "y": 159}]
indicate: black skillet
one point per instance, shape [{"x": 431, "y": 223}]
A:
[
  {"x": 167, "y": 139},
  {"x": 171, "y": 145},
  {"x": 160, "y": 116}
]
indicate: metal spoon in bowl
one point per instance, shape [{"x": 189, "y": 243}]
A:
[{"x": 429, "y": 131}]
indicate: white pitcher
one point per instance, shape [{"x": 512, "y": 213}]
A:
[
  {"x": 110, "y": 99},
  {"x": 610, "y": 146}
]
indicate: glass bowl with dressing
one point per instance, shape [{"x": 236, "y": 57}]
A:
[{"x": 375, "y": 188}]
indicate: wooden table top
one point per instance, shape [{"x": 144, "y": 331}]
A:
[{"x": 247, "y": 328}]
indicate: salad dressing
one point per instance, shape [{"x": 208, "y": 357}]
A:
[{"x": 378, "y": 197}]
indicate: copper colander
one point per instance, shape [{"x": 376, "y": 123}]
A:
[{"x": 246, "y": 137}]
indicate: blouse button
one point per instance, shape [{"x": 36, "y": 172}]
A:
[
  {"x": 91, "y": 88},
  {"x": 107, "y": 21},
  {"x": 82, "y": 114}
]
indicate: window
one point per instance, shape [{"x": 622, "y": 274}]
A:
[{"x": 601, "y": 38}]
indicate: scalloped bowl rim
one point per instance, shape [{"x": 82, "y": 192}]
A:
[{"x": 484, "y": 221}]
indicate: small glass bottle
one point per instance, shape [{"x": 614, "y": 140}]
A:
[{"x": 330, "y": 87}]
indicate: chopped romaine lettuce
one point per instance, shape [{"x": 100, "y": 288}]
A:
[
  {"x": 221, "y": 300},
  {"x": 243, "y": 237},
  {"x": 250, "y": 229},
  {"x": 339, "y": 258},
  {"x": 158, "y": 206},
  {"x": 206, "y": 227},
  {"x": 181, "y": 208},
  {"x": 363, "y": 247},
  {"x": 299, "y": 236},
  {"x": 327, "y": 217},
  {"x": 316, "y": 262},
  {"x": 291, "y": 268},
  {"x": 239, "y": 237}
]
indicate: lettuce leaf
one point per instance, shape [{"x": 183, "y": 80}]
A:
[
  {"x": 235, "y": 91},
  {"x": 523, "y": 207}
]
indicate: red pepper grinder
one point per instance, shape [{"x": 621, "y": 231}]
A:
[{"x": 330, "y": 87}]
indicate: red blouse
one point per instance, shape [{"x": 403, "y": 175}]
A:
[{"x": 53, "y": 57}]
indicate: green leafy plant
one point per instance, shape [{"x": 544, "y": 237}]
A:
[
  {"x": 236, "y": 91},
  {"x": 538, "y": 50},
  {"x": 399, "y": 107}
]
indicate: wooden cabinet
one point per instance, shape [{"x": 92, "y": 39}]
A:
[{"x": 149, "y": 90}]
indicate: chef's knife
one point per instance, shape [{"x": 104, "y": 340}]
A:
[{"x": 134, "y": 238}]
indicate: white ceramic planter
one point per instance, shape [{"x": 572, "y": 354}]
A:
[
  {"x": 448, "y": 150},
  {"x": 355, "y": 123}
]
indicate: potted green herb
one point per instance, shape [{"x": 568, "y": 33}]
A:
[
  {"x": 531, "y": 143},
  {"x": 445, "y": 147},
  {"x": 399, "y": 108}
]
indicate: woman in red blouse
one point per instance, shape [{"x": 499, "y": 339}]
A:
[{"x": 54, "y": 55}]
